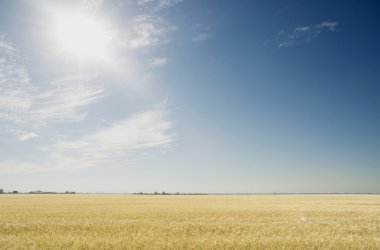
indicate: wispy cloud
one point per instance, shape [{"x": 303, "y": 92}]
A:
[
  {"x": 146, "y": 3},
  {"x": 15, "y": 89},
  {"x": 91, "y": 5},
  {"x": 144, "y": 131},
  {"x": 304, "y": 34},
  {"x": 120, "y": 142},
  {"x": 67, "y": 99},
  {"x": 23, "y": 135},
  {"x": 156, "y": 62},
  {"x": 150, "y": 31},
  {"x": 25, "y": 108},
  {"x": 157, "y": 4},
  {"x": 200, "y": 37},
  {"x": 202, "y": 33},
  {"x": 6, "y": 48}
]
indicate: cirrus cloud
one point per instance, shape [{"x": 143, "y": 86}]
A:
[
  {"x": 150, "y": 31},
  {"x": 157, "y": 4},
  {"x": 120, "y": 142},
  {"x": 26, "y": 108},
  {"x": 303, "y": 34}
]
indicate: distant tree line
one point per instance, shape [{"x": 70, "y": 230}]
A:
[
  {"x": 35, "y": 192},
  {"x": 165, "y": 193},
  {"x": 12, "y": 192}
]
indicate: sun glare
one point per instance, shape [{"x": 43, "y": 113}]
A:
[{"x": 81, "y": 36}]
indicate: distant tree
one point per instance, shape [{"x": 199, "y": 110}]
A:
[
  {"x": 1, "y": 191},
  {"x": 15, "y": 192},
  {"x": 67, "y": 192}
]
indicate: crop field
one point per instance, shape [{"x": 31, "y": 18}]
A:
[{"x": 189, "y": 222}]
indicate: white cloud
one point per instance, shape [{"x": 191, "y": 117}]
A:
[
  {"x": 304, "y": 34},
  {"x": 150, "y": 31},
  {"x": 120, "y": 142},
  {"x": 5, "y": 47},
  {"x": 24, "y": 135},
  {"x": 200, "y": 37},
  {"x": 67, "y": 100},
  {"x": 202, "y": 33},
  {"x": 15, "y": 86},
  {"x": 145, "y": 3},
  {"x": 157, "y": 4},
  {"x": 156, "y": 62},
  {"x": 330, "y": 25},
  {"x": 91, "y": 5},
  {"x": 167, "y": 3},
  {"x": 22, "y": 104},
  {"x": 143, "y": 131}
]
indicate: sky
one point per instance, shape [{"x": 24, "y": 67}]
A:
[{"x": 190, "y": 96}]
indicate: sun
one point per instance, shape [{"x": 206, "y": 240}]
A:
[{"x": 79, "y": 35}]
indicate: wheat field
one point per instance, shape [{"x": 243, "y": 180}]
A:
[{"x": 189, "y": 222}]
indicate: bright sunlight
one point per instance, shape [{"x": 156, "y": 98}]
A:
[{"x": 81, "y": 36}]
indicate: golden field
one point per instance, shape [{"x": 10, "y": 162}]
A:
[{"x": 189, "y": 222}]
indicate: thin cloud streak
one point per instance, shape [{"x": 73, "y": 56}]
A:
[
  {"x": 200, "y": 37},
  {"x": 158, "y": 4},
  {"x": 156, "y": 62},
  {"x": 24, "y": 135},
  {"x": 304, "y": 34},
  {"x": 202, "y": 33},
  {"x": 67, "y": 101},
  {"x": 92, "y": 5},
  {"x": 146, "y": 130},
  {"x": 15, "y": 90},
  {"x": 120, "y": 142},
  {"x": 150, "y": 31},
  {"x": 23, "y": 105}
]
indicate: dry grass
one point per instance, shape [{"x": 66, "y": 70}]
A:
[{"x": 189, "y": 222}]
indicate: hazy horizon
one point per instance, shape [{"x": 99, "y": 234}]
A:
[{"x": 126, "y": 96}]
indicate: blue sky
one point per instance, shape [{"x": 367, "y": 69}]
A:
[{"x": 190, "y": 96}]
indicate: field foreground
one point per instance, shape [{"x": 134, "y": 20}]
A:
[{"x": 189, "y": 222}]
